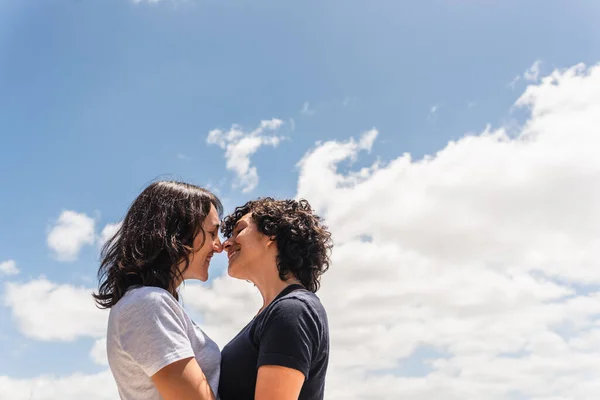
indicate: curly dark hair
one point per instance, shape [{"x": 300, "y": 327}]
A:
[
  {"x": 157, "y": 233},
  {"x": 303, "y": 243}
]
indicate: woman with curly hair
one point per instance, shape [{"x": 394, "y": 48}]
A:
[
  {"x": 283, "y": 248},
  {"x": 155, "y": 351}
]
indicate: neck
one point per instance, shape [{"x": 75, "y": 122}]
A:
[{"x": 270, "y": 285}]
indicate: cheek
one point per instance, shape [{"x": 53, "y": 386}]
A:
[
  {"x": 250, "y": 250},
  {"x": 204, "y": 247},
  {"x": 199, "y": 255}
]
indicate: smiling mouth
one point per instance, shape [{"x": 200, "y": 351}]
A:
[{"x": 233, "y": 253}]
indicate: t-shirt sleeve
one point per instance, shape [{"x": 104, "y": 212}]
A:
[
  {"x": 152, "y": 331},
  {"x": 289, "y": 336}
]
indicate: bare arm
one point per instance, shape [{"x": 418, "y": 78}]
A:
[
  {"x": 183, "y": 380},
  {"x": 278, "y": 383}
]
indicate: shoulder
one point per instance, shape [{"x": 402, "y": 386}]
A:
[
  {"x": 299, "y": 305},
  {"x": 146, "y": 294},
  {"x": 146, "y": 300},
  {"x": 292, "y": 331},
  {"x": 148, "y": 312},
  {"x": 300, "y": 300}
]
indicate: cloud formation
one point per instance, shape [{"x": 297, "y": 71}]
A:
[
  {"x": 98, "y": 352},
  {"x": 225, "y": 306},
  {"x": 9, "y": 268},
  {"x": 77, "y": 386},
  {"x": 533, "y": 73},
  {"x": 47, "y": 311},
  {"x": 470, "y": 273},
  {"x": 306, "y": 110},
  {"x": 484, "y": 254},
  {"x": 239, "y": 146},
  {"x": 107, "y": 232},
  {"x": 69, "y": 234}
]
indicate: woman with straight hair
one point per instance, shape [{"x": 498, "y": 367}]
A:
[
  {"x": 155, "y": 351},
  {"x": 283, "y": 248}
]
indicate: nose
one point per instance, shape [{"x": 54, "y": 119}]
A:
[
  {"x": 227, "y": 244},
  {"x": 217, "y": 246}
]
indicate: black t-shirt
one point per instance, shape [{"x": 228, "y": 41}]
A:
[{"x": 291, "y": 332}]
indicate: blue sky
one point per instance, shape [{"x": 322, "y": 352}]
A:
[{"x": 98, "y": 98}]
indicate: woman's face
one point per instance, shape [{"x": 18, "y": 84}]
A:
[
  {"x": 247, "y": 249},
  {"x": 202, "y": 253}
]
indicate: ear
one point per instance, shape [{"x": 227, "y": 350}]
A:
[{"x": 271, "y": 241}]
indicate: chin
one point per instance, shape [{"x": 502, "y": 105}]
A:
[
  {"x": 203, "y": 276},
  {"x": 198, "y": 275},
  {"x": 231, "y": 273},
  {"x": 196, "y": 278}
]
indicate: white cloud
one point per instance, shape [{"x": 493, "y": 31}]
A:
[
  {"x": 225, "y": 306},
  {"x": 321, "y": 161},
  {"x": 485, "y": 253},
  {"x": 70, "y": 233},
  {"x": 349, "y": 100},
  {"x": 108, "y": 231},
  {"x": 533, "y": 73},
  {"x": 9, "y": 268},
  {"x": 513, "y": 83},
  {"x": 473, "y": 252},
  {"x": 47, "y": 311},
  {"x": 78, "y": 386},
  {"x": 306, "y": 110},
  {"x": 433, "y": 113},
  {"x": 98, "y": 352},
  {"x": 239, "y": 146}
]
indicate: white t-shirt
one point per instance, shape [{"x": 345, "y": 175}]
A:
[{"x": 148, "y": 330}]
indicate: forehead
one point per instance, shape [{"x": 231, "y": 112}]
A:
[
  {"x": 213, "y": 217},
  {"x": 246, "y": 219}
]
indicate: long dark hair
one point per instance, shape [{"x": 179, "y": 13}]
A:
[{"x": 156, "y": 235}]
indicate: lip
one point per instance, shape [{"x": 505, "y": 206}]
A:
[{"x": 231, "y": 254}]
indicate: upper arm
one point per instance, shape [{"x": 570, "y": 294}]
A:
[
  {"x": 183, "y": 380},
  {"x": 288, "y": 342},
  {"x": 152, "y": 331},
  {"x": 277, "y": 382}
]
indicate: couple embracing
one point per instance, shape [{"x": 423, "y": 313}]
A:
[{"x": 169, "y": 234}]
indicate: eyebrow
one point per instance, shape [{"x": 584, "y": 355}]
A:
[{"x": 236, "y": 225}]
